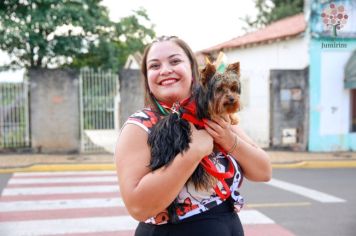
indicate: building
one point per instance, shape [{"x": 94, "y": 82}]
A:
[
  {"x": 279, "y": 51},
  {"x": 299, "y": 78},
  {"x": 332, "y": 76}
]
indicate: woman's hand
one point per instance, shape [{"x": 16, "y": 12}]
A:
[
  {"x": 220, "y": 129},
  {"x": 253, "y": 160}
]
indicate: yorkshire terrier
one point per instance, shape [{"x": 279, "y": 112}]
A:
[{"x": 216, "y": 94}]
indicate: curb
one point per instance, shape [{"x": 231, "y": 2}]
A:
[
  {"x": 61, "y": 167},
  {"x": 316, "y": 164}
]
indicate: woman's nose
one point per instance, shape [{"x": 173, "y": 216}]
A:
[{"x": 166, "y": 70}]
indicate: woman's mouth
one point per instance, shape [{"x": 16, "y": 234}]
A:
[{"x": 168, "y": 81}]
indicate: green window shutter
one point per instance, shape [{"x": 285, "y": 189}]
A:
[{"x": 350, "y": 72}]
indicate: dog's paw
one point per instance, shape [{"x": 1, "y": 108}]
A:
[{"x": 234, "y": 119}]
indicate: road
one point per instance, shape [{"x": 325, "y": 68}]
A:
[
  {"x": 302, "y": 202},
  {"x": 305, "y": 212}
]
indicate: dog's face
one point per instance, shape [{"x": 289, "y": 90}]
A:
[{"x": 223, "y": 89}]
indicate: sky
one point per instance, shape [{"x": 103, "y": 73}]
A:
[{"x": 200, "y": 23}]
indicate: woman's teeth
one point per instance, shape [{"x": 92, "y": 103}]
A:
[{"x": 168, "y": 81}]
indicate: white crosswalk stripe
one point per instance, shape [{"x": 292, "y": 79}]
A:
[
  {"x": 68, "y": 226},
  {"x": 78, "y": 179},
  {"x": 306, "y": 192},
  {"x": 60, "y": 204},
  {"x": 250, "y": 217},
  {"x": 66, "y": 173},
  {"x": 47, "y": 203},
  {"x": 56, "y": 190}
]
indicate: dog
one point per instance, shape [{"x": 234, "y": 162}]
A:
[{"x": 216, "y": 94}]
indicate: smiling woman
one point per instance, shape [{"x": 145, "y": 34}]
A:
[
  {"x": 170, "y": 74},
  {"x": 170, "y": 69}
]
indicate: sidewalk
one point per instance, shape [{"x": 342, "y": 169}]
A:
[
  {"x": 290, "y": 159},
  {"x": 10, "y": 163}
]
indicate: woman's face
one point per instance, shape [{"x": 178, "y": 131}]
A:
[{"x": 169, "y": 72}]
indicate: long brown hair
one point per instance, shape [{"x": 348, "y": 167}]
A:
[
  {"x": 149, "y": 98},
  {"x": 200, "y": 178}
]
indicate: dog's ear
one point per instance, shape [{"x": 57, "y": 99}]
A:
[
  {"x": 207, "y": 60},
  {"x": 207, "y": 73},
  {"x": 235, "y": 68}
]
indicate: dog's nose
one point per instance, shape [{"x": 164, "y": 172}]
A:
[{"x": 231, "y": 99}]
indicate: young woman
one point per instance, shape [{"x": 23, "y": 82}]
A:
[{"x": 170, "y": 71}]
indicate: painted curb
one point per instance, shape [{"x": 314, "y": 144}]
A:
[
  {"x": 61, "y": 167},
  {"x": 316, "y": 164}
]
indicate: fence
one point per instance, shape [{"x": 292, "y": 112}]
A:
[
  {"x": 99, "y": 98},
  {"x": 99, "y": 93},
  {"x": 14, "y": 118}
]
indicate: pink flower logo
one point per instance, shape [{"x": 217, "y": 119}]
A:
[{"x": 334, "y": 17}]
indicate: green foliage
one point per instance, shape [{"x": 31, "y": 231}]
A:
[
  {"x": 128, "y": 36},
  {"x": 74, "y": 33},
  {"x": 273, "y": 10}
]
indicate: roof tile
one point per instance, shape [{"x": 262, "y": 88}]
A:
[{"x": 287, "y": 27}]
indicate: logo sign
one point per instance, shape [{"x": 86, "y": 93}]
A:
[{"x": 334, "y": 17}]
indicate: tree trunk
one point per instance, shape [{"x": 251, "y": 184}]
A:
[{"x": 335, "y": 30}]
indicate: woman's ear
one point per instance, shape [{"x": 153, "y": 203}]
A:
[{"x": 207, "y": 73}]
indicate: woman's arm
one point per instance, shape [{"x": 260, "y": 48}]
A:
[
  {"x": 147, "y": 193},
  {"x": 253, "y": 160}
]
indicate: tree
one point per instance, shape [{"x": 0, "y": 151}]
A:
[
  {"x": 54, "y": 33},
  {"x": 334, "y": 17},
  {"x": 115, "y": 46},
  {"x": 273, "y": 10}
]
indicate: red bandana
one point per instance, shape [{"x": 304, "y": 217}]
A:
[{"x": 188, "y": 106}]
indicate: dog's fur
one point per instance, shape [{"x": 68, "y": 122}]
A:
[{"x": 217, "y": 94}]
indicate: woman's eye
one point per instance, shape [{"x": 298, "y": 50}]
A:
[
  {"x": 175, "y": 61},
  {"x": 153, "y": 66}
]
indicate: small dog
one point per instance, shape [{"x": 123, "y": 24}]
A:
[{"x": 216, "y": 94}]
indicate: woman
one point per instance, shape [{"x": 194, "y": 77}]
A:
[{"x": 170, "y": 71}]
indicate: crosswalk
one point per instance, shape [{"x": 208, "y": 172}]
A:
[{"x": 83, "y": 203}]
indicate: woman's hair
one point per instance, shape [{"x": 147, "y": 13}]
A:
[{"x": 149, "y": 98}]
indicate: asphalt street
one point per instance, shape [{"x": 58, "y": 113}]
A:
[
  {"x": 3, "y": 181},
  {"x": 297, "y": 201},
  {"x": 303, "y": 212}
]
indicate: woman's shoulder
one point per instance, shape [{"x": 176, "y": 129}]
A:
[
  {"x": 145, "y": 118},
  {"x": 145, "y": 112}
]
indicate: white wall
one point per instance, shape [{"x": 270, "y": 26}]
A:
[
  {"x": 9, "y": 76},
  {"x": 335, "y": 99},
  {"x": 131, "y": 63},
  {"x": 255, "y": 63}
]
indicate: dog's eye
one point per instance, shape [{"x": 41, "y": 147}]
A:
[
  {"x": 219, "y": 89},
  {"x": 234, "y": 88}
]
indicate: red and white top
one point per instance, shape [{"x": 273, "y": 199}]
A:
[{"x": 190, "y": 200}]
